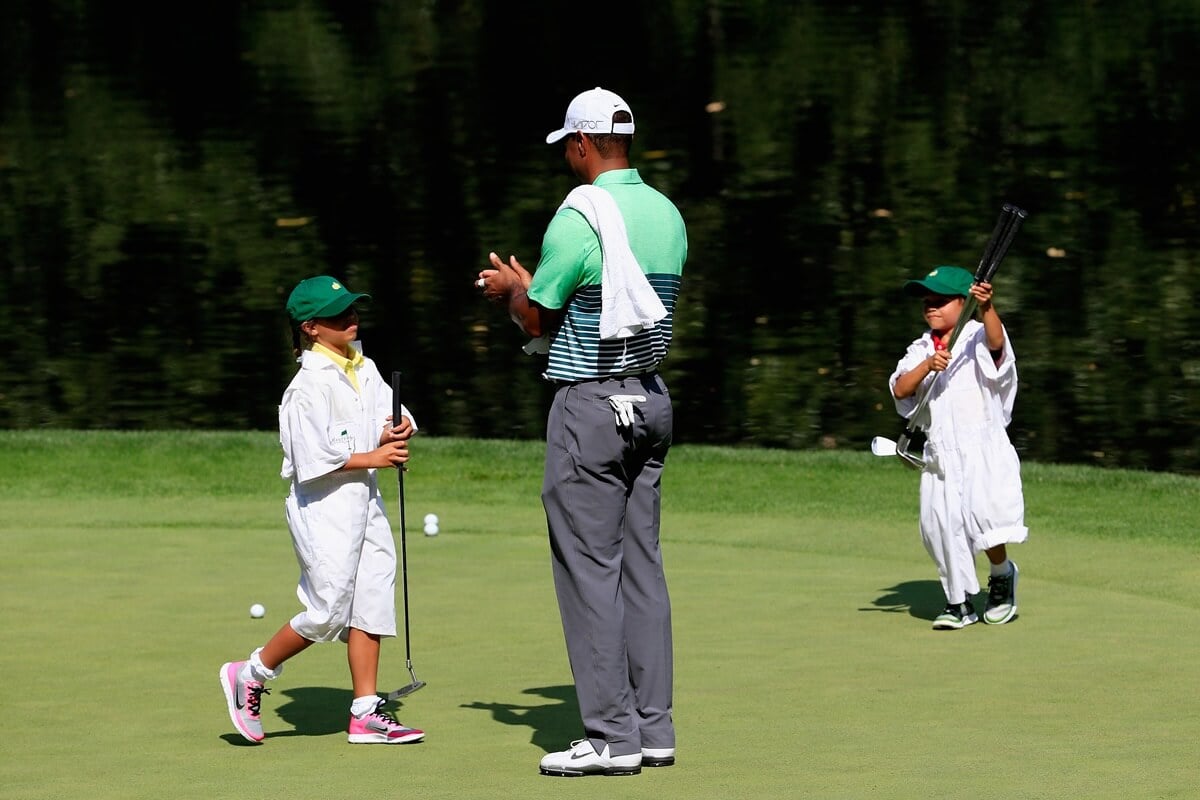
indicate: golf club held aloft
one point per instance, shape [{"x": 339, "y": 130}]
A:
[{"x": 1005, "y": 230}]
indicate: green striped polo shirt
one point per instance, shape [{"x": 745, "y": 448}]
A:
[{"x": 568, "y": 276}]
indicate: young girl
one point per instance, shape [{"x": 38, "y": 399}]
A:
[
  {"x": 336, "y": 429},
  {"x": 971, "y": 497}
]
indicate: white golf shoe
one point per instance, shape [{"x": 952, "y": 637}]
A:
[
  {"x": 658, "y": 756},
  {"x": 582, "y": 759}
]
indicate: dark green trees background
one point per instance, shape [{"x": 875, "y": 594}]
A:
[{"x": 167, "y": 174}]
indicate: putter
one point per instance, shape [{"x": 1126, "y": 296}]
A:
[
  {"x": 1007, "y": 224},
  {"x": 403, "y": 691}
]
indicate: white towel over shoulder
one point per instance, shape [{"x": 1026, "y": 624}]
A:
[{"x": 629, "y": 303}]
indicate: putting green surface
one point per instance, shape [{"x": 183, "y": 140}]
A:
[{"x": 806, "y": 666}]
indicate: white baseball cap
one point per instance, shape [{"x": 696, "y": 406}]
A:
[{"x": 592, "y": 112}]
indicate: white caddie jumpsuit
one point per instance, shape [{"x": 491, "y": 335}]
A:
[
  {"x": 971, "y": 496},
  {"x": 339, "y": 527}
]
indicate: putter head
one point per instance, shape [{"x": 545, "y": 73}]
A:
[
  {"x": 910, "y": 459},
  {"x": 405, "y": 691}
]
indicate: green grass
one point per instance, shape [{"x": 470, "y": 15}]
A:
[{"x": 802, "y": 604}]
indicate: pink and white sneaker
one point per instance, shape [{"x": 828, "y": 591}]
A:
[
  {"x": 243, "y": 699},
  {"x": 380, "y": 727}
]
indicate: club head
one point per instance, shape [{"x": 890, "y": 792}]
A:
[
  {"x": 882, "y": 446},
  {"x": 910, "y": 459},
  {"x": 405, "y": 691}
]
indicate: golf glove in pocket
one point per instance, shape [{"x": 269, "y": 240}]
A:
[{"x": 622, "y": 406}]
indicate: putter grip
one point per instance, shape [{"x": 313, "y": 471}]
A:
[
  {"x": 397, "y": 409},
  {"x": 396, "y": 404}
]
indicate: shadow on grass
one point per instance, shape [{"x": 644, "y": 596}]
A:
[
  {"x": 920, "y": 599},
  {"x": 552, "y": 723},
  {"x": 314, "y": 711},
  {"x": 237, "y": 740}
]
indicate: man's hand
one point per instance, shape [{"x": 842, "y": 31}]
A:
[
  {"x": 499, "y": 283},
  {"x": 508, "y": 283}
]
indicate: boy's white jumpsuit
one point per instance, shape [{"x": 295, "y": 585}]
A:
[
  {"x": 339, "y": 527},
  {"x": 971, "y": 497}
]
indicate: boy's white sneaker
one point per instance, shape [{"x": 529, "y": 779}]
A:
[
  {"x": 1002, "y": 598},
  {"x": 582, "y": 759},
  {"x": 955, "y": 616}
]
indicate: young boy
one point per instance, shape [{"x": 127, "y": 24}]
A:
[{"x": 971, "y": 497}]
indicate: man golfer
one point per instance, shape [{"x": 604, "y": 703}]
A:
[{"x": 601, "y": 301}]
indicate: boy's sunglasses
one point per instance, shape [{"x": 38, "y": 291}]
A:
[{"x": 938, "y": 300}]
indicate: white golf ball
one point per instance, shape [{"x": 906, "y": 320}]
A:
[
  {"x": 258, "y": 611},
  {"x": 431, "y": 529},
  {"x": 431, "y": 519}
]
